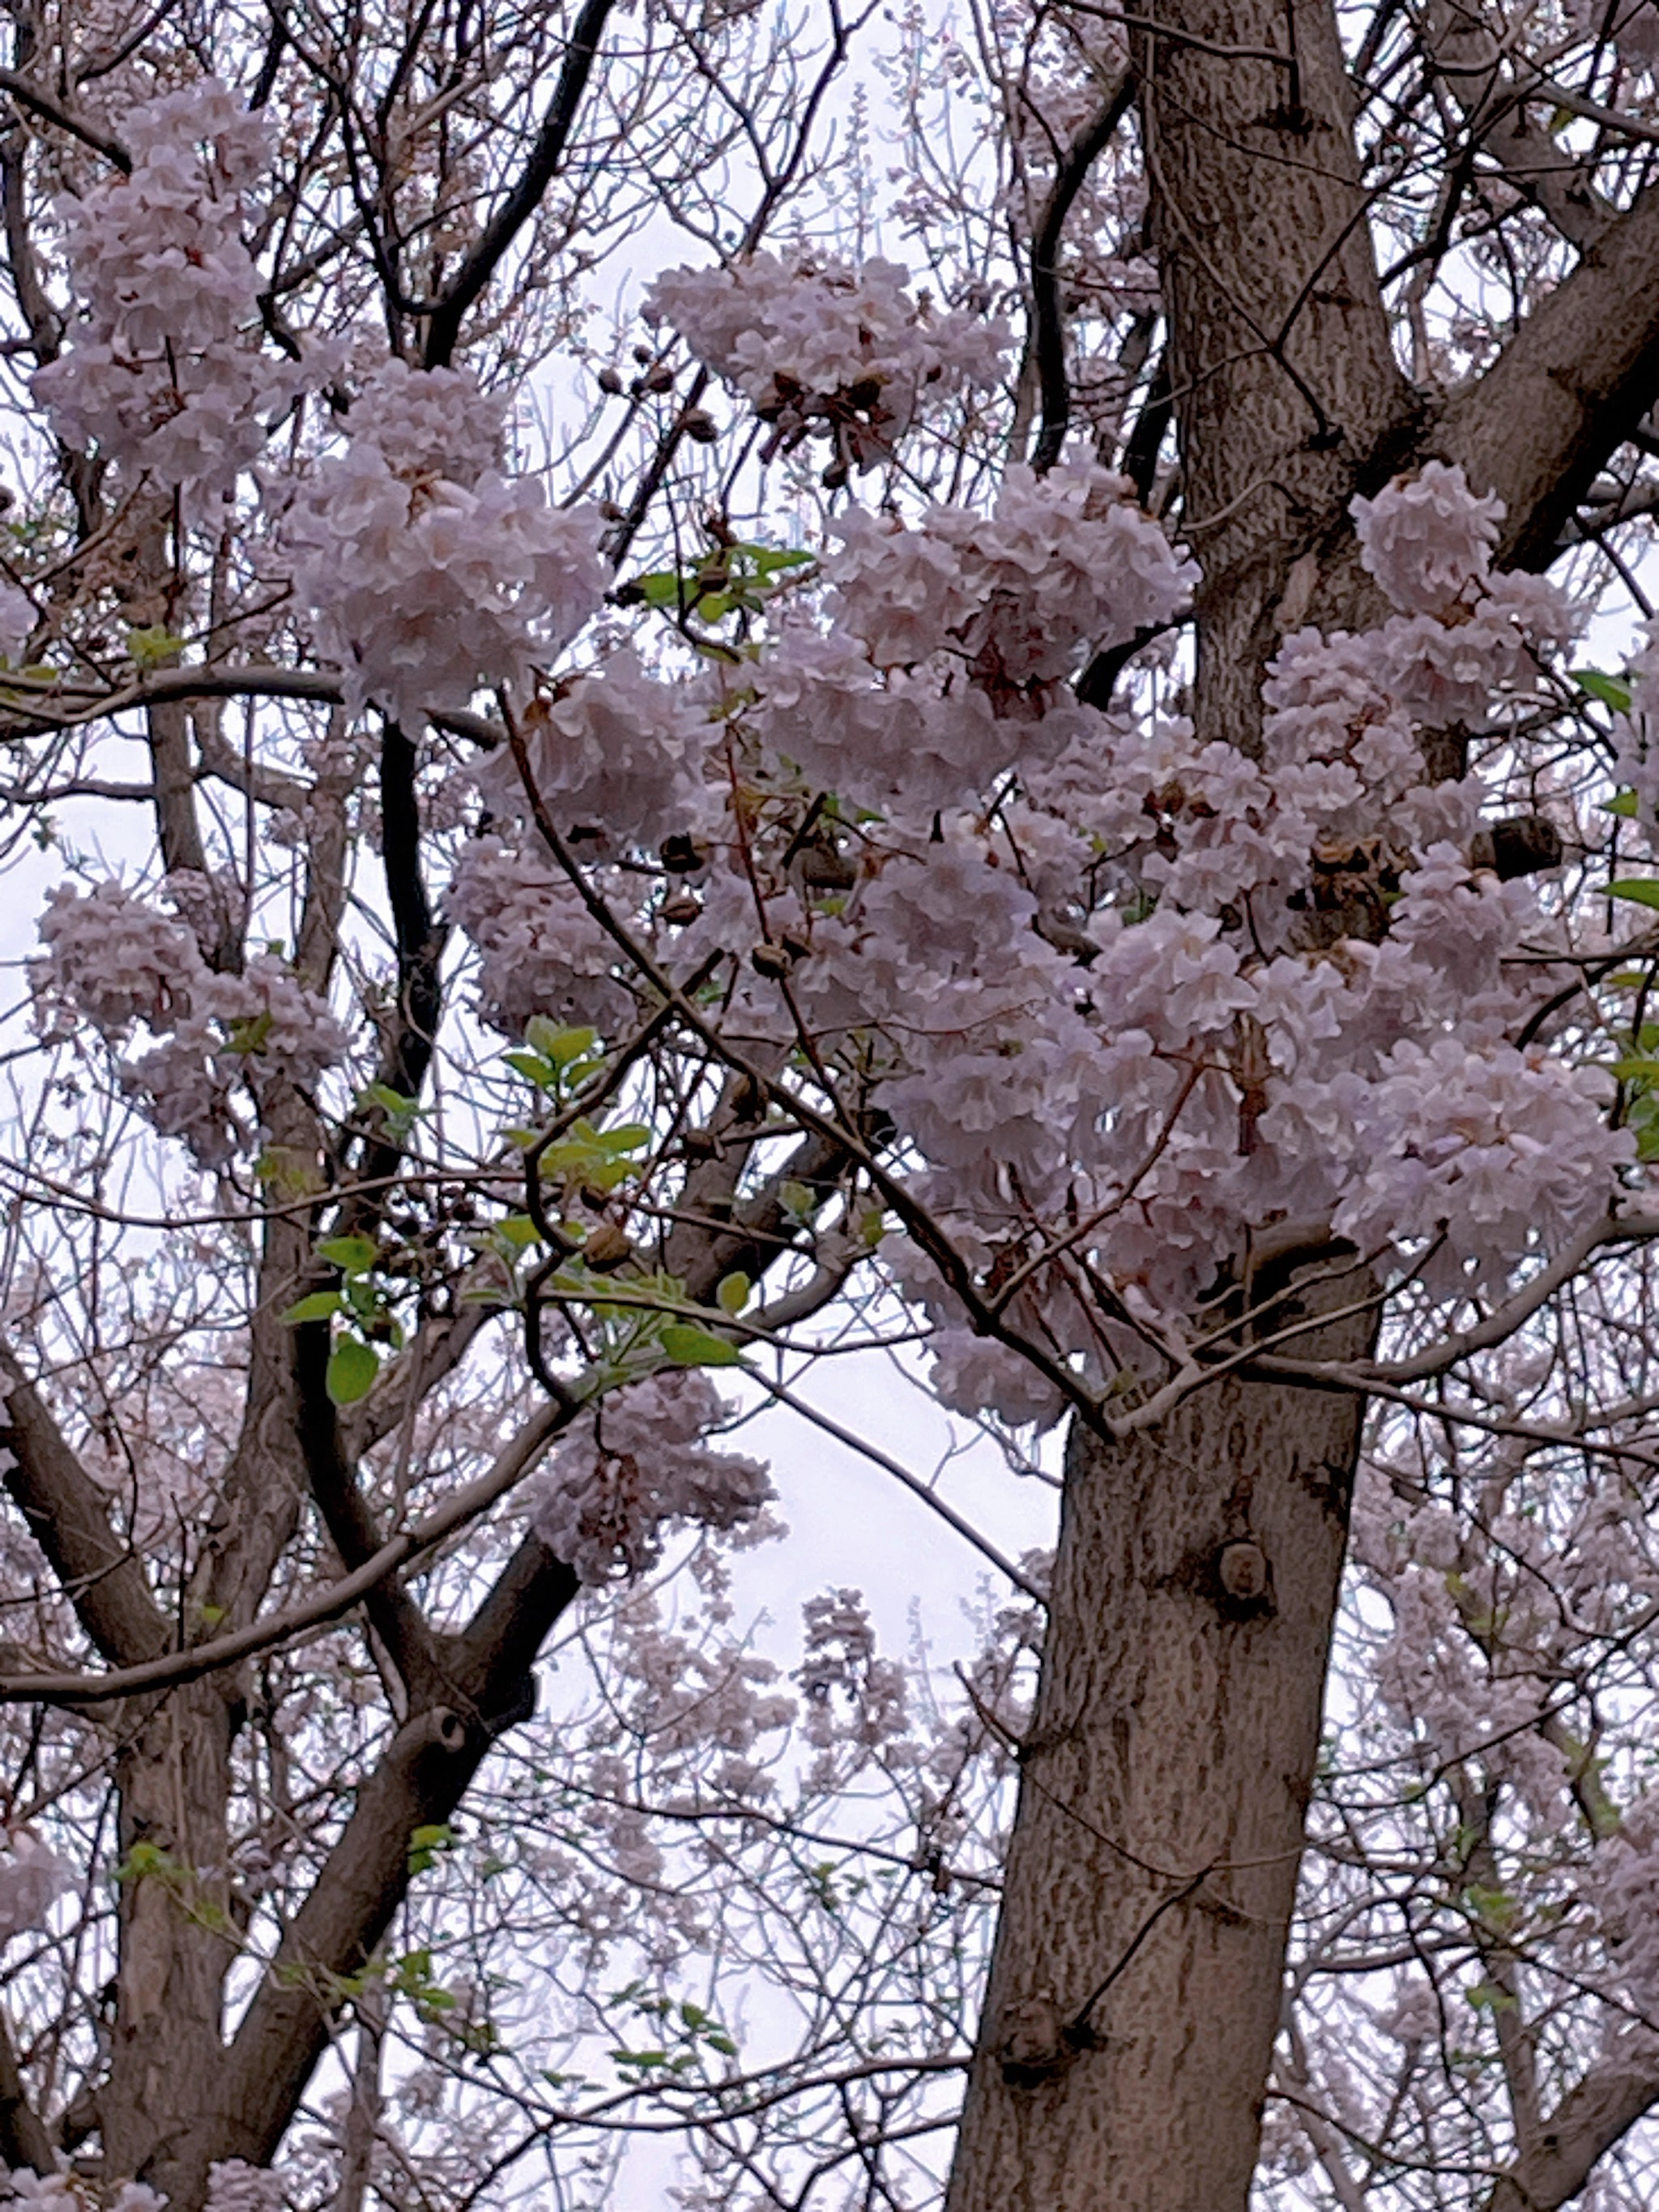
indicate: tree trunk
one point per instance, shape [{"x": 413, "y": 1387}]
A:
[
  {"x": 1135, "y": 1990},
  {"x": 1286, "y": 394},
  {"x": 177, "y": 1942}
]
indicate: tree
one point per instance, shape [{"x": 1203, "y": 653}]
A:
[{"x": 619, "y": 798}]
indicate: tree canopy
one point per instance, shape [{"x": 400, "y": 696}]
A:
[{"x": 708, "y": 714}]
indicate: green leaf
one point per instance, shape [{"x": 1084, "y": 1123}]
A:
[
  {"x": 519, "y": 1230},
  {"x": 561, "y": 1046},
  {"x": 626, "y": 1138},
  {"x": 1640, "y": 891},
  {"x": 150, "y": 647},
  {"x": 718, "y": 2040},
  {"x": 252, "y": 1035},
  {"x": 733, "y": 1295},
  {"x": 662, "y": 589},
  {"x": 390, "y": 1101},
  {"x": 799, "y": 1200},
  {"x": 1608, "y": 689},
  {"x": 317, "y": 1307},
  {"x": 768, "y": 559},
  {"x": 355, "y": 1256},
  {"x": 352, "y": 1367},
  {"x": 541, "y": 1072},
  {"x": 1625, "y": 806},
  {"x": 1635, "y": 1070},
  {"x": 426, "y": 1843},
  {"x": 688, "y": 1345}
]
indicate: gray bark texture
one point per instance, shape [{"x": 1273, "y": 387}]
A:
[{"x": 1134, "y": 1995}]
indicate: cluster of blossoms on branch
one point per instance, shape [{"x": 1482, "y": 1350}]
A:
[
  {"x": 1130, "y": 1003},
  {"x": 164, "y": 375},
  {"x": 636, "y": 1468},
  {"x": 1142, "y": 997},
  {"x": 430, "y": 575},
  {"x": 115, "y": 960},
  {"x": 828, "y": 348}
]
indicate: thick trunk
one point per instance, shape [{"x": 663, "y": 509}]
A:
[
  {"x": 1136, "y": 1986},
  {"x": 176, "y": 1943},
  {"x": 1288, "y": 396}
]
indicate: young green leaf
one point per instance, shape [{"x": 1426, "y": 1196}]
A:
[
  {"x": 688, "y": 1345},
  {"x": 318, "y": 1306},
  {"x": 352, "y": 1367},
  {"x": 354, "y": 1256},
  {"x": 1610, "y": 690}
]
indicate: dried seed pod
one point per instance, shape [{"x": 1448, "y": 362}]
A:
[{"x": 607, "y": 1247}]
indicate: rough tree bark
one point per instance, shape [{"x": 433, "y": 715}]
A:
[
  {"x": 1135, "y": 1994},
  {"x": 1136, "y": 1984}
]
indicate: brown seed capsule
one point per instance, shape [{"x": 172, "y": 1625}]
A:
[
  {"x": 823, "y": 868},
  {"x": 607, "y": 1247},
  {"x": 660, "y": 379},
  {"x": 771, "y": 960},
  {"x": 683, "y": 855},
  {"x": 700, "y": 427},
  {"x": 680, "y": 909},
  {"x": 609, "y": 381}
]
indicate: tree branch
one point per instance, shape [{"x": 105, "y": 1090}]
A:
[
  {"x": 481, "y": 264},
  {"x": 1583, "y": 2127},
  {"x": 1566, "y": 391},
  {"x": 1048, "y": 329},
  {"x": 100, "y": 1574}
]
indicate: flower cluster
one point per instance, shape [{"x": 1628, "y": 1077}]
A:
[
  {"x": 1427, "y": 539},
  {"x": 950, "y": 640},
  {"x": 1154, "y": 998},
  {"x": 853, "y": 1695},
  {"x": 164, "y": 375},
  {"x": 64, "y": 2192},
  {"x": 113, "y": 960},
  {"x": 236, "y": 2187},
  {"x": 829, "y": 347},
  {"x": 430, "y": 575},
  {"x": 540, "y": 950},
  {"x": 637, "y": 1466},
  {"x": 614, "y": 754}
]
